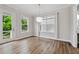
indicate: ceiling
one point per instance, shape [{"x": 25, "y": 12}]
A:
[{"x": 33, "y": 9}]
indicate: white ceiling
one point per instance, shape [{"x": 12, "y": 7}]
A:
[{"x": 33, "y": 9}]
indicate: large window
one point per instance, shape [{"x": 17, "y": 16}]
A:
[
  {"x": 48, "y": 27},
  {"x": 48, "y": 24},
  {"x": 24, "y": 24},
  {"x": 6, "y": 27}
]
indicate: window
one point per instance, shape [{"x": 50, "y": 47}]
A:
[
  {"x": 48, "y": 24},
  {"x": 7, "y": 26},
  {"x": 24, "y": 23}
]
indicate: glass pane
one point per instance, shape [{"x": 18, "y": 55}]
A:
[
  {"x": 6, "y": 35},
  {"x": 24, "y": 27},
  {"x": 24, "y": 24},
  {"x": 43, "y": 22},
  {"x": 7, "y": 26},
  {"x": 50, "y": 28},
  {"x": 48, "y": 24},
  {"x": 24, "y": 21},
  {"x": 43, "y": 27},
  {"x": 7, "y": 23},
  {"x": 50, "y": 21}
]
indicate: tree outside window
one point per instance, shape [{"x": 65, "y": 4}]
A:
[
  {"x": 7, "y": 26},
  {"x": 24, "y": 24}
]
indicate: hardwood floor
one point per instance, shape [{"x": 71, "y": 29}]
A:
[{"x": 36, "y": 45}]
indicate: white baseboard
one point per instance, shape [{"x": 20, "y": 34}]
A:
[
  {"x": 56, "y": 39},
  {"x": 74, "y": 45}
]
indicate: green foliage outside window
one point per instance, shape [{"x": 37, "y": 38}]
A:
[
  {"x": 6, "y": 27},
  {"x": 7, "y": 23},
  {"x": 24, "y": 24},
  {"x": 6, "y": 35}
]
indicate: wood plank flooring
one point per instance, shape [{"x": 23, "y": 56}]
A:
[{"x": 36, "y": 45}]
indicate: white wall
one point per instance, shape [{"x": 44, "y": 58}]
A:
[
  {"x": 74, "y": 25},
  {"x": 18, "y": 34},
  {"x": 64, "y": 24},
  {"x": 68, "y": 25}
]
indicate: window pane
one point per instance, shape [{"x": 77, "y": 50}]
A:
[
  {"x": 48, "y": 24},
  {"x": 6, "y": 35},
  {"x": 24, "y": 24},
  {"x": 7, "y": 23},
  {"x": 24, "y": 21},
  {"x": 7, "y": 26},
  {"x": 24, "y": 27}
]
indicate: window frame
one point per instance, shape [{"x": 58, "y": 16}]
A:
[
  {"x": 27, "y": 19},
  {"x": 7, "y": 14}
]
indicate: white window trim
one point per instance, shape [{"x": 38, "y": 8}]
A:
[
  {"x": 23, "y": 31},
  {"x": 5, "y": 13}
]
